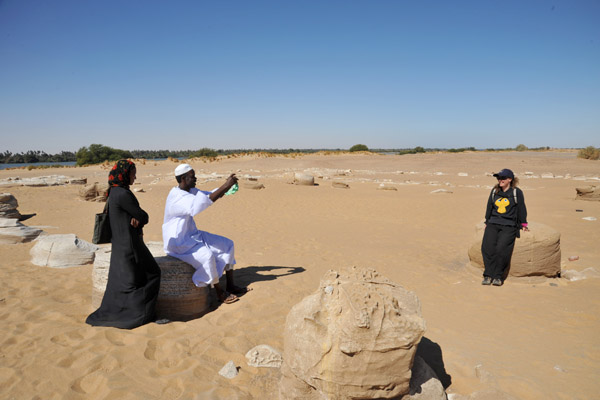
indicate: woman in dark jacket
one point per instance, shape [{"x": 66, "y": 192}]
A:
[
  {"x": 134, "y": 277},
  {"x": 505, "y": 216}
]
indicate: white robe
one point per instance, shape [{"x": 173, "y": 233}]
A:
[{"x": 209, "y": 254}]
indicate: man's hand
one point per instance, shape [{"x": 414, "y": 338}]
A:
[{"x": 135, "y": 223}]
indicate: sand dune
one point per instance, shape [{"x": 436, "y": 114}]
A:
[{"x": 532, "y": 339}]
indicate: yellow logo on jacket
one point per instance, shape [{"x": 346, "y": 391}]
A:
[{"x": 502, "y": 203}]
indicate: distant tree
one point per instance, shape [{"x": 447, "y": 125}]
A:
[
  {"x": 589, "y": 153},
  {"x": 521, "y": 147},
  {"x": 359, "y": 147},
  {"x": 98, "y": 153},
  {"x": 204, "y": 152}
]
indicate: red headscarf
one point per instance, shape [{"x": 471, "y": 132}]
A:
[{"x": 119, "y": 174}]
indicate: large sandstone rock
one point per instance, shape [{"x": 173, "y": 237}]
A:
[
  {"x": 591, "y": 193},
  {"x": 94, "y": 192},
  {"x": 12, "y": 232},
  {"x": 178, "y": 298},
  {"x": 62, "y": 251},
  {"x": 355, "y": 337},
  {"x": 536, "y": 253},
  {"x": 8, "y": 206}
]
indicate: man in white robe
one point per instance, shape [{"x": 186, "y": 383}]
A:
[{"x": 209, "y": 254}]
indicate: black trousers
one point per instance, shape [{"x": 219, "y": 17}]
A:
[{"x": 496, "y": 249}]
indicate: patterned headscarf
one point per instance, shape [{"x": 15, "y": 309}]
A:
[{"x": 119, "y": 174}]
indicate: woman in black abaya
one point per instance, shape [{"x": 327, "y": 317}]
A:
[{"x": 134, "y": 277}]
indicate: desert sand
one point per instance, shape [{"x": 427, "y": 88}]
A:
[{"x": 531, "y": 338}]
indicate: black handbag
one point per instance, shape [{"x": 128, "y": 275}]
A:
[{"x": 102, "y": 232}]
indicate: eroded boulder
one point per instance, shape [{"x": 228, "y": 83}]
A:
[
  {"x": 304, "y": 179},
  {"x": 62, "y": 251},
  {"x": 536, "y": 253},
  {"x": 94, "y": 192},
  {"x": 591, "y": 193},
  {"x": 8, "y": 206},
  {"x": 355, "y": 337}
]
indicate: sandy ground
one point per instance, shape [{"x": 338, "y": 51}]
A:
[{"x": 532, "y": 340}]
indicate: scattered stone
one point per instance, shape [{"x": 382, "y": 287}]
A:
[
  {"x": 78, "y": 181},
  {"x": 340, "y": 185},
  {"x": 62, "y": 251},
  {"x": 442, "y": 191},
  {"x": 94, "y": 192},
  {"x": 264, "y": 356},
  {"x": 572, "y": 275},
  {"x": 559, "y": 368},
  {"x": 12, "y": 232},
  {"x": 483, "y": 375},
  {"x": 463, "y": 174},
  {"x": 139, "y": 190},
  {"x": 536, "y": 253},
  {"x": 178, "y": 298},
  {"x": 573, "y": 258},
  {"x": 383, "y": 186},
  {"x": 547, "y": 175},
  {"x": 357, "y": 342},
  {"x": 553, "y": 284},
  {"x": 589, "y": 218},
  {"x": 229, "y": 371},
  {"x": 304, "y": 179}
]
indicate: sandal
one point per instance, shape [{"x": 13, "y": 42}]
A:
[{"x": 228, "y": 298}]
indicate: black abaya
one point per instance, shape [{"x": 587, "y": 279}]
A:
[{"x": 134, "y": 277}]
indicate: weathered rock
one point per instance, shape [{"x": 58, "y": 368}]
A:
[
  {"x": 12, "y": 232},
  {"x": 178, "y": 298},
  {"x": 355, "y": 337},
  {"x": 253, "y": 185},
  {"x": 340, "y": 185},
  {"x": 229, "y": 370},
  {"x": 304, "y": 179},
  {"x": 264, "y": 356},
  {"x": 383, "y": 186},
  {"x": 62, "y": 251},
  {"x": 94, "y": 192},
  {"x": 591, "y": 193},
  {"x": 536, "y": 253},
  {"x": 572, "y": 275},
  {"x": 443, "y": 191},
  {"x": 78, "y": 181},
  {"x": 424, "y": 383},
  {"x": 8, "y": 206}
]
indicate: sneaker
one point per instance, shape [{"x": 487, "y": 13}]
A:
[
  {"x": 486, "y": 280},
  {"x": 497, "y": 282}
]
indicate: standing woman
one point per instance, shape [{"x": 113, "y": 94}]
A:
[
  {"x": 134, "y": 277},
  {"x": 505, "y": 216}
]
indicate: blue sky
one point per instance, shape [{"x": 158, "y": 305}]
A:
[{"x": 298, "y": 74}]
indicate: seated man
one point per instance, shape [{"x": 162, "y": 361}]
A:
[{"x": 209, "y": 254}]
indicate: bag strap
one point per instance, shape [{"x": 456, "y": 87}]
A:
[{"x": 105, "y": 207}]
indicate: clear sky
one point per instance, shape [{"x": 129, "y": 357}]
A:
[{"x": 224, "y": 74}]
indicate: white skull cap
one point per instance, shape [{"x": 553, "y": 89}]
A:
[{"x": 182, "y": 169}]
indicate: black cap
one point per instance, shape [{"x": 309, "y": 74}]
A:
[{"x": 505, "y": 172}]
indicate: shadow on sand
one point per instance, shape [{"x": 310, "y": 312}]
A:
[
  {"x": 431, "y": 353},
  {"x": 243, "y": 277}
]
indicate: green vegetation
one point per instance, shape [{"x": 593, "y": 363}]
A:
[
  {"x": 359, "y": 147},
  {"x": 589, "y": 153},
  {"x": 98, "y": 153},
  {"x": 461, "y": 149},
  {"x": 416, "y": 150},
  {"x": 204, "y": 152},
  {"x": 521, "y": 147},
  {"x": 33, "y": 156}
]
